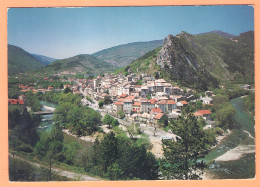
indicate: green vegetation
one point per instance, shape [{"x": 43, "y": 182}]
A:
[
  {"x": 22, "y": 129},
  {"x": 44, "y": 60},
  {"x": 119, "y": 158},
  {"x": 20, "y": 61},
  {"x": 203, "y": 61},
  {"x": 122, "y": 55},
  {"x": 20, "y": 170},
  {"x": 89, "y": 98},
  {"x": 78, "y": 119},
  {"x": 121, "y": 114},
  {"x": 108, "y": 120},
  {"x": 222, "y": 109},
  {"x": 249, "y": 102},
  {"x": 32, "y": 101},
  {"x": 101, "y": 103},
  {"x": 77, "y": 64},
  {"x": 181, "y": 156}
]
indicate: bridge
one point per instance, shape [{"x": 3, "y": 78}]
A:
[{"x": 45, "y": 112}]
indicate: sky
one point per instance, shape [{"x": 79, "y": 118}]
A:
[{"x": 65, "y": 32}]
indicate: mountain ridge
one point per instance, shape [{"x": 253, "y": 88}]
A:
[
  {"x": 198, "y": 61},
  {"x": 44, "y": 60},
  {"x": 124, "y": 54},
  {"x": 20, "y": 61}
]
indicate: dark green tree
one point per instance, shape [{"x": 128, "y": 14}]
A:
[
  {"x": 108, "y": 120},
  {"x": 183, "y": 154},
  {"x": 101, "y": 103},
  {"x": 108, "y": 150},
  {"x": 115, "y": 122},
  {"x": 67, "y": 90}
]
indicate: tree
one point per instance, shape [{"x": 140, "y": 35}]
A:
[
  {"x": 108, "y": 150},
  {"x": 115, "y": 122},
  {"x": 108, "y": 120},
  {"x": 67, "y": 90},
  {"x": 225, "y": 116},
  {"x": 121, "y": 114},
  {"x": 191, "y": 144},
  {"x": 50, "y": 146},
  {"x": 101, "y": 103}
]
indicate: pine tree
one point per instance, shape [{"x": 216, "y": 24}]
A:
[{"x": 182, "y": 156}]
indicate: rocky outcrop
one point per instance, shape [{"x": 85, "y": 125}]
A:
[{"x": 176, "y": 58}]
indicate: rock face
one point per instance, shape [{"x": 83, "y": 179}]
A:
[{"x": 177, "y": 59}]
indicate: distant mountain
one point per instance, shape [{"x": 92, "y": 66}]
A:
[
  {"x": 199, "y": 61},
  {"x": 20, "y": 61},
  {"x": 124, "y": 54},
  {"x": 83, "y": 64},
  {"x": 43, "y": 59},
  {"x": 221, "y": 33}
]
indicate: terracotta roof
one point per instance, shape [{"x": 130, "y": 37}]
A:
[
  {"x": 137, "y": 104},
  {"x": 128, "y": 100},
  {"x": 204, "y": 112},
  {"x": 171, "y": 102},
  {"x": 197, "y": 114},
  {"x": 130, "y": 97},
  {"x": 16, "y": 101},
  {"x": 184, "y": 102},
  {"x": 153, "y": 101},
  {"x": 118, "y": 103},
  {"x": 121, "y": 100},
  {"x": 157, "y": 110},
  {"x": 162, "y": 102},
  {"x": 158, "y": 116},
  {"x": 123, "y": 95}
]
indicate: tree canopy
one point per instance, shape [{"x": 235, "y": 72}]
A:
[{"x": 182, "y": 156}]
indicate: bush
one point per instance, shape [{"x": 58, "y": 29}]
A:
[
  {"x": 218, "y": 131},
  {"x": 121, "y": 114},
  {"x": 101, "y": 103},
  {"x": 26, "y": 148}
]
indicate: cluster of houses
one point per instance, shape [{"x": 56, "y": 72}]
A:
[
  {"x": 153, "y": 101},
  {"x": 142, "y": 98}
]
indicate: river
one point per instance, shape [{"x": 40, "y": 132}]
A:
[
  {"x": 46, "y": 123},
  {"x": 222, "y": 162}
]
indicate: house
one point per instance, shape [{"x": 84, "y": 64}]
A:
[
  {"x": 136, "y": 107},
  {"x": 162, "y": 104},
  {"x": 155, "y": 111},
  {"x": 128, "y": 102},
  {"x": 207, "y": 100},
  {"x": 160, "y": 117},
  {"x": 16, "y": 102},
  {"x": 146, "y": 106},
  {"x": 118, "y": 106},
  {"x": 171, "y": 105},
  {"x": 181, "y": 104},
  {"x": 206, "y": 114}
]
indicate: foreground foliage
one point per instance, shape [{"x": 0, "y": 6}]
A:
[{"x": 182, "y": 156}]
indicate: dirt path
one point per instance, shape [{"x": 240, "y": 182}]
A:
[{"x": 61, "y": 172}]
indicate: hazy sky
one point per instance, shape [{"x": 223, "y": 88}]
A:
[{"x": 66, "y": 32}]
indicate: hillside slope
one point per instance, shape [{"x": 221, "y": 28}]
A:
[
  {"x": 84, "y": 64},
  {"x": 122, "y": 55},
  {"x": 44, "y": 60},
  {"x": 20, "y": 61},
  {"x": 198, "y": 61},
  {"x": 221, "y": 33}
]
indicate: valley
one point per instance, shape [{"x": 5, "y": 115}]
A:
[{"x": 110, "y": 110}]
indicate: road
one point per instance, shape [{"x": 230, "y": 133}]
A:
[{"x": 61, "y": 172}]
